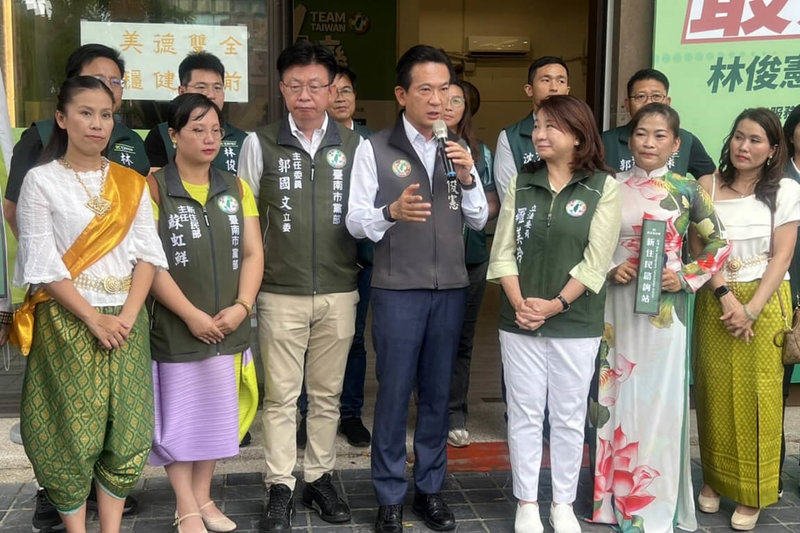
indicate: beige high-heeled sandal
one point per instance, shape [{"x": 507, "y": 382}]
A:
[
  {"x": 179, "y": 519},
  {"x": 217, "y": 525}
]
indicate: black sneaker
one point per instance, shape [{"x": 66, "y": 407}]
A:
[
  {"x": 45, "y": 516},
  {"x": 279, "y": 510},
  {"x": 355, "y": 431},
  {"x": 302, "y": 435},
  {"x": 131, "y": 505},
  {"x": 322, "y": 497}
]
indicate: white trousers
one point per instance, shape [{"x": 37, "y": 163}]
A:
[{"x": 555, "y": 372}]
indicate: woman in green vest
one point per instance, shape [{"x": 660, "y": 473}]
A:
[
  {"x": 737, "y": 367},
  {"x": 200, "y": 316},
  {"x": 458, "y": 117},
  {"x": 555, "y": 236}
]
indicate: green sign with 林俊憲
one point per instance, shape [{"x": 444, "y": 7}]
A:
[{"x": 724, "y": 56}]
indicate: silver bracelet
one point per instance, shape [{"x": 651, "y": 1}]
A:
[{"x": 750, "y": 315}]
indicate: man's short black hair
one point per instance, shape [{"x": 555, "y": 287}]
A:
[
  {"x": 543, "y": 62},
  {"x": 648, "y": 74},
  {"x": 88, "y": 53},
  {"x": 416, "y": 55},
  {"x": 302, "y": 54},
  {"x": 349, "y": 74},
  {"x": 199, "y": 61}
]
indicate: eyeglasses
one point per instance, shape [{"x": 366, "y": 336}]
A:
[
  {"x": 345, "y": 91},
  {"x": 456, "y": 101},
  {"x": 641, "y": 98},
  {"x": 205, "y": 87},
  {"x": 115, "y": 82},
  {"x": 313, "y": 88},
  {"x": 202, "y": 133}
]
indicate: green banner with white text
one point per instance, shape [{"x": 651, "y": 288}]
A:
[{"x": 722, "y": 56}]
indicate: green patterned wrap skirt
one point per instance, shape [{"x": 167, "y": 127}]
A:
[{"x": 86, "y": 411}]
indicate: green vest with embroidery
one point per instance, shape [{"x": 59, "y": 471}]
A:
[
  {"x": 303, "y": 203},
  {"x": 204, "y": 246},
  {"x": 552, "y": 233},
  {"x": 519, "y": 140},
  {"x": 228, "y": 157},
  {"x": 125, "y": 146},
  {"x": 618, "y": 155}
]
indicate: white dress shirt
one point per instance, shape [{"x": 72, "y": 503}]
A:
[
  {"x": 504, "y": 166},
  {"x": 51, "y": 214},
  {"x": 365, "y": 220},
  {"x": 251, "y": 159}
]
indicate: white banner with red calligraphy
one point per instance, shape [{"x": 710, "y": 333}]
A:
[
  {"x": 741, "y": 20},
  {"x": 152, "y": 53}
]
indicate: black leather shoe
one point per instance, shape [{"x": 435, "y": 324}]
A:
[
  {"x": 432, "y": 509},
  {"x": 390, "y": 519},
  {"x": 131, "y": 505},
  {"x": 322, "y": 497},
  {"x": 302, "y": 435},
  {"x": 279, "y": 511},
  {"x": 355, "y": 432}
]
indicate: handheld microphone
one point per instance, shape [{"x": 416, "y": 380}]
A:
[{"x": 440, "y": 132}]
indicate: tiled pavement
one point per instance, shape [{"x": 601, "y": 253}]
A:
[{"x": 481, "y": 501}]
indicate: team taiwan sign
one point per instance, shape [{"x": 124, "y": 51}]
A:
[{"x": 722, "y": 56}]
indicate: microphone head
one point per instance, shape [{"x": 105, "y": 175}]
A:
[{"x": 439, "y": 129}]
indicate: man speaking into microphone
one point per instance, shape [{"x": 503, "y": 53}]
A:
[{"x": 401, "y": 199}]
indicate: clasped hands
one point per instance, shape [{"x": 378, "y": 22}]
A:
[
  {"x": 735, "y": 319},
  {"x": 531, "y": 313},
  {"x": 212, "y": 330}
]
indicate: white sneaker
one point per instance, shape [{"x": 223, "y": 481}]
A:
[
  {"x": 562, "y": 518},
  {"x": 527, "y": 519},
  {"x": 458, "y": 438}
]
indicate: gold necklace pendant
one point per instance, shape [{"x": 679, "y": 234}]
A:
[{"x": 99, "y": 205}]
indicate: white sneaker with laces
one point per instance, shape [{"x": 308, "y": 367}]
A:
[
  {"x": 527, "y": 519},
  {"x": 563, "y": 519},
  {"x": 458, "y": 438}
]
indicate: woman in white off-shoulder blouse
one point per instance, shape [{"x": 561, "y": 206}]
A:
[{"x": 89, "y": 249}]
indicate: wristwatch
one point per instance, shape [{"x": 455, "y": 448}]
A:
[
  {"x": 564, "y": 303},
  {"x": 387, "y": 214},
  {"x": 721, "y": 291}
]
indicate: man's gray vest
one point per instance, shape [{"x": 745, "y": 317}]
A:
[{"x": 417, "y": 255}]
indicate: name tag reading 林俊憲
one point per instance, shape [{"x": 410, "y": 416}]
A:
[{"x": 651, "y": 262}]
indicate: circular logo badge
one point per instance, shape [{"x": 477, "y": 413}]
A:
[
  {"x": 359, "y": 23},
  {"x": 576, "y": 208},
  {"x": 336, "y": 158},
  {"x": 401, "y": 168},
  {"x": 228, "y": 204}
]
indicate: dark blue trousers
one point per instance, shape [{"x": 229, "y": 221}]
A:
[{"x": 415, "y": 334}]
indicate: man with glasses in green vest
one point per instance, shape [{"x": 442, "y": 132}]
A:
[
  {"x": 125, "y": 147},
  {"x": 547, "y": 76},
  {"x": 203, "y": 73},
  {"x": 645, "y": 86}
]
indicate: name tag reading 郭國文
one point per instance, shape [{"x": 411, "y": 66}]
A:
[{"x": 651, "y": 263}]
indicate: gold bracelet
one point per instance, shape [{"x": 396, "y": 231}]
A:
[{"x": 247, "y": 306}]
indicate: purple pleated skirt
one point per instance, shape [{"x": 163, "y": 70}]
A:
[{"x": 196, "y": 411}]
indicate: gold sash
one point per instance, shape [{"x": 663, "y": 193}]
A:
[{"x": 123, "y": 188}]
